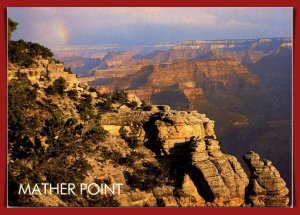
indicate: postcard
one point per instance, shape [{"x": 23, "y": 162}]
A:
[{"x": 150, "y": 107}]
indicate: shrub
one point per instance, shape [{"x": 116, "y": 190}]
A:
[
  {"x": 96, "y": 134},
  {"x": 132, "y": 142},
  {"x": 68, "y": 70},
  {"x": 92, "y": 89},
  {"x": 145, "y": 106},
  {"x": 160, "y": 202},
  {"x": 73, "y": 94},
  {"x": 104, "y": 96},
  {"x": 145, "y": 179},
  {"x": 123, "y": 132},
  {"x": 21, "y": 95},
  {"x": 59, "y": 85},
  {"x": 57, "y": 61},
  {"x": 23, "y": 148},
  {"x": 50, "y": 90},
  {"x": 119, "y": 97},
  {"x": 104, "y": 106},
  {"x": 36, "y": 49},
  {"x": 11, "y": 27},
  {"x": 117, "y": 157},
  {"x": 132, "y": 104},
  {"x": 23, "y": 53},
  {"x": 53, "y": 124},
  {"x": 85, "y": 108}
]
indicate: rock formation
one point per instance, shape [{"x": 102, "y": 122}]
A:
[
  {"x": 205, "y": 175},
  {"x": 266, "y": 187},
  {"x": 46, "y": 71}
]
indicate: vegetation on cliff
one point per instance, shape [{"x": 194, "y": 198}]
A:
[
  {"x": 46, "y": 142},
  {"x": 11, "y": 27},
  {"x": 54, "y": 131},
  {"x": 42, "y": 139},
  {"x": 23, "y": 53}
]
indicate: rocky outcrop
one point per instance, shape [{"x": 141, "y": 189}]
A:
[
  {"x": 46, "y": 71},
  {"x": 187, "y": 142},
  {"x": 266, "y": 187},
  {"x": 223, "y": 173},
  {"x": 205, "y": 176},
  {"x": 179, "y": 126}
]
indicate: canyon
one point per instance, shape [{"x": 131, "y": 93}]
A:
[
  {"x": 244, "y": 84},
  {"x": 179, "y": 125},
  {"x": 163, "y": 157}
]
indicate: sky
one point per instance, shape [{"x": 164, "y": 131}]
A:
[{"x": 56, "y": 26}]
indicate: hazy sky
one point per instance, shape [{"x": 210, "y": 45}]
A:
[{"x": 71, "y": 26}]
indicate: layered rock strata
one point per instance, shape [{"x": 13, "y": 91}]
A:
[{"x": 266, "y": 187}]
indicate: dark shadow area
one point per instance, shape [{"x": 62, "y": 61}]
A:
[
  {"x": 171, "y": 97},
  {"x": 201, "y": 184},
  {"x": 178, "y": 160}
]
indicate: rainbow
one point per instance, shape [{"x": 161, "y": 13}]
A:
[{"x": 61, "y": 31}]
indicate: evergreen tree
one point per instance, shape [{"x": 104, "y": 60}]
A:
[{"x": 11, "y": 27}]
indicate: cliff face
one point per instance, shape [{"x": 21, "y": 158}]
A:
[
  {"x": 204, "y": 176},
  {"x": 244, "y": 51},
  {"x": 191, "y": 79},
  {"x": 266, "y": 188},
  {"x": 162, "y": 156},
  {"x": 187, "y": 144},
  {"x": 44, "y": 73}
]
